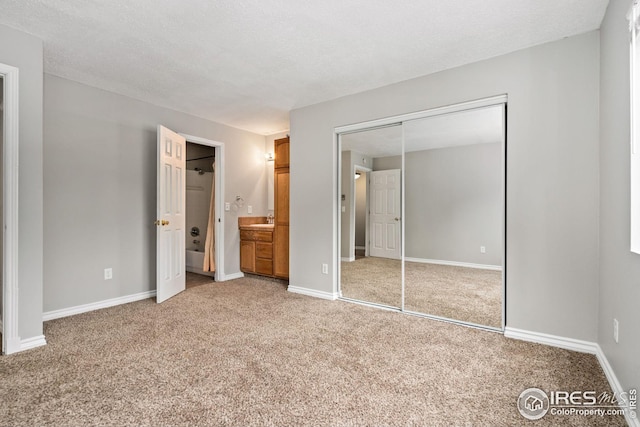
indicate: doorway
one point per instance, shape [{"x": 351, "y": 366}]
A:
[
  {"x": 171, "y": 222},
  {"x": 218, "y": 189},
  {"x": 361, "y": 212},
  {"x": 199, "y": 211}
]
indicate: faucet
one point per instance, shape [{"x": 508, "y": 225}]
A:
[{"x": 270, "y": 218}]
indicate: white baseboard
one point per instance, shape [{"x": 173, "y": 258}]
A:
[
  {"x": 232, "y": 276},
  {"x": 313, "y": 293},
  {"x": 575, "y": 345},
  {"x": 616, "y": 387},
  {"x": 29, "y": 343},
  {"x": 348, "y": 259},
  {"x": 64, "y": 312},
  {"x": 551, "y": 340},
  {"x": 455, "y": 263}
]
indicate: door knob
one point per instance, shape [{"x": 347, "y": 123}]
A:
[
  {"x": 165, "y": 222},
  {"x": 397, "y": 219},
  {"x": 156, "y": 222}
]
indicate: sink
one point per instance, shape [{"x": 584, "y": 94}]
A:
[{"x": 262, "y": 225}]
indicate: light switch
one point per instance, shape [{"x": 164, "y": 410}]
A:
[
  {"x": 227, "y": 206},
  {"x": 249, "y": 209}
]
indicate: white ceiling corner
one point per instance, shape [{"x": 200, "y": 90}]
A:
[{"x": 247, "y": 63}]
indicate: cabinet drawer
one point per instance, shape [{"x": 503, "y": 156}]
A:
[
  {"x": 261, "y": 236},
  {"x": 264, "y": 250},
  {"x": 264, "y": 266}
]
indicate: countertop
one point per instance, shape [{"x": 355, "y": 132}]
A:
[{"x": 254, "y": 223}]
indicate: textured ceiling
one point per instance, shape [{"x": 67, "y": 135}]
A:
[{"x": 247, "y": 63}]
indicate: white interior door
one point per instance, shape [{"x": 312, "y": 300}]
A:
[
  {"x": 384, "y": 216},
  {"x": 170, "y": 219}
]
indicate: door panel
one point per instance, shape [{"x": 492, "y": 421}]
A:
[
  {"x": 372, "y": 274},
  {"x": 454, "y": 206},
  {"x": 385, "y": 215},
  {"x": 170, "y": 221}
]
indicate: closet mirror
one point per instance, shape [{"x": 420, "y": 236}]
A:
[
  {"x": 454, "y": 215},
  {"x": 371, "y": 245},
  {"x": 424, "y": 231}
]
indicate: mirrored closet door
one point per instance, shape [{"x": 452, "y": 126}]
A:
[
  {"x": 437, "y": 249},
  {"x": 370, "y": 225}
]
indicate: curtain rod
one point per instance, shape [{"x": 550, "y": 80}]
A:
[{"x": 201, "y": 158}]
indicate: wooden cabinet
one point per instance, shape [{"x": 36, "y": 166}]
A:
[
  {"x": 247, "y": 256},
  {"x": 281, "y": 212},
  {"x": 281, "y": 149},
  {"x": 256, "y": 251}
]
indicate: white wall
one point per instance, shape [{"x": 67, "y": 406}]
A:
[
  {"x": 25, "y": 52},
  {"x": 619, "y": 268},
  {"x": 454, "y": 204},
  {"x": 552, "y": 179},
  {"x": 1, "y": 191},
  {"x": 100, "y": 190},
  {"x": 268, "y": 148}
]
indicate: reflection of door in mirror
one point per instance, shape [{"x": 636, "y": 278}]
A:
[
  {"x": 454, "y": 171},
  {"x": 370, "y": 241},
  {"x": 384, "y": 214}
]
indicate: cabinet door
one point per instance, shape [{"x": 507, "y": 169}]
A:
[
  {"x": 282, "y": 197},
  {"x": 281, "y": 148},
  {"x": 281, "y": 259},
  {"x": 248, "y": 256}
]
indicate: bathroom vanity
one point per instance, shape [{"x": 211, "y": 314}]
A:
[{"x": 256, "y": 245}]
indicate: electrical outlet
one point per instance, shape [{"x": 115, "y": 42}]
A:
[
  {"x": 325, "y": 268},
  {"x": 249, "y": 209},
  {"x": 483, "y": 250},
  {"x": 616, "y": 330},
  {"x": 108, "y": 274}
]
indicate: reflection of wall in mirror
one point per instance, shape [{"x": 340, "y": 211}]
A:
[{"x": 454, "y": 202}]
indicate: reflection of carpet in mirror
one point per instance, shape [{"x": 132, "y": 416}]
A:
[
  {"x": 467, "y": 294},
  {"x": 372, "y": 279}
]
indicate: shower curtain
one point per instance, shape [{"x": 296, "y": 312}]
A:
[{"x": 209, "y": 242}]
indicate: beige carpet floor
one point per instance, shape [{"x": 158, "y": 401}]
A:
[
  {"x": 467, "y": 294},
  {"x": 249, "y": 353}
]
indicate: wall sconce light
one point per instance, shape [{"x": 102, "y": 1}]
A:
[
  {"x": 270, "y": 157},
  {"x": 357, "y": 175}
]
